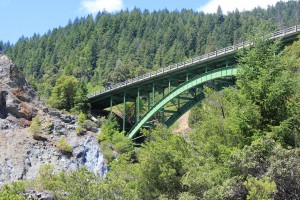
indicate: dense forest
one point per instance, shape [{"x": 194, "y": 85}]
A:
[
  {"x": 245, "y": 139},
  {"x": 109, "y": 48}
]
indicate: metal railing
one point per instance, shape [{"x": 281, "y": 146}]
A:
[{"x": 195, "y": 60}]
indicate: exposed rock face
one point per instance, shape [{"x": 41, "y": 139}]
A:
[
  {"x": 21, "y": 155},
  {"x": 17, "y": 97},
  {"x": 34, "y": 195}
]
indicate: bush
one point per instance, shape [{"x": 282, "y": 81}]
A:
[
  {"x": 88, "y": 124},
  {"x": 64, "y": 146},
  {"x": 80, "y": 130},
  {"x": 14, "y": 191},
  {"x": 112, "y": 141},
  {"x": 36, "y": 129},
  {"x": 81, "y": 118},
  {"x": 108, "y": 129},
  {"x": 35, "y": 126},
  {"x": 260, "y": 189},
  {"x": 107, "y": 150},
  {"x": 49, "y": 126},
  {"x": 121, "y": 143},
  {"x": 63, "y": 93}
]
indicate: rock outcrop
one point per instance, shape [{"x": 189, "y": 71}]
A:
[{"x": 21, "y": 155}]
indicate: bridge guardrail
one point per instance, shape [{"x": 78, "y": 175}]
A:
[{"x": 197, "y": 59}]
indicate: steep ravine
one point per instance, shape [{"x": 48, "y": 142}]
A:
[{"x": 21, "y": 155}]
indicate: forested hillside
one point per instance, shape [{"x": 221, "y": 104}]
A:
[{"x": 108, "y": 48}]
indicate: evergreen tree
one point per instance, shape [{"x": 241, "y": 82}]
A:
[
  {"x": 1, "y": 46},
  {"x": 64, "y": 92},
  {"x": 81, "y": 103}
]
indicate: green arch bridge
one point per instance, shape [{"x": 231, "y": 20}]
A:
[{"x": 163, "y": 96}]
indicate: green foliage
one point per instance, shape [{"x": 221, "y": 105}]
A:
[
  {"x": 162, "y": 165},
  {"x": 81, "y": 118},
  {"x": 121, "y": 143},
  {"x": 291, "y": 57},
  {"x": 35, "y": 126},
  {"x": 64, "y": 146},
  {"x": 46, "y": 179},
  {"x": 112, "y": 141},
  {"x": 78, "y": 184},
  {"x": 194, "y": 116},
  {"x": 109, "y": 128},
  {"x": 64, "y": 92},
  {"x": 81, "y": 103},
  {"x": 1, "y": 46},
  {"x": 49, "y": 126},
  {"x": 79, "y": 129},
  {"x": 284, "y": 171},
  {"x": 261, "y": 80},
  {"x": 13, "y": 191},
  {"x": 81, "y": 184},
  {"x": 267, "y": 80},
  {"x": 263, "y": 189}
]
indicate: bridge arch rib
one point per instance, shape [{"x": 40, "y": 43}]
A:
[{"x": 192, "y": 83}]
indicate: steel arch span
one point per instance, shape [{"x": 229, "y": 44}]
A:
[{"x": 184, "y": 87}]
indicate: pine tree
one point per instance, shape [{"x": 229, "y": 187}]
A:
[
  {"x": 81, "y": 103},
  {"x": 63, "y": 94}
]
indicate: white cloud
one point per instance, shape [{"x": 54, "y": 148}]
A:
[
  {"x": 94, "y": 6},
  {"x": 231, "y": 5}
]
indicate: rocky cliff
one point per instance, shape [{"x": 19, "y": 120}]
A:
[{"x": 20, "y": 154}]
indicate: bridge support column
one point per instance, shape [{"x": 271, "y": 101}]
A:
[
  {"x": 149, "y": 101},
  {"x": 163, "y": 109},
  {"x": 187, "y": 75},
  {"x": 111, "y": 104},
  {"x": 169, "y": 84},
  {"x": 153, "y": 94},
  {"x": 124, "y": 112},
  {"x": 138, "y": 105}
]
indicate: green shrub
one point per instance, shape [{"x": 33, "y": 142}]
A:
[
  {"x": 112, "y": 141},
  {"x": 36, "y": 129},
  {"x": 107, "y": 150},
  {"x": 14, "y": 191},
  {"x": 108, "y": 129},
  {"x": 260, "y": 189},
  {"x": 49, "y": 126},
  {"x": 80, "y": 130},
  {"x": 81, "y": 118},
  {"x": 35, "y": 126},
  {"x": 121, "y": 143},
  {"x": 88, "y": 124},
  {"x": 63, "y": 93},
  {"x": 64, "y": 146}
]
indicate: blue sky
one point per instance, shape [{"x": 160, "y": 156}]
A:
[{"x": 26, "y": 17}]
